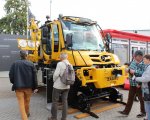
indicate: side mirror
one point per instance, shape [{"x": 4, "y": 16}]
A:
[
  {"x": 108, "y": 40},
  {"x": 45, "y": 31},
  {"x": 69, "y": 40},
  {"x": 108, "y": 37},
  {"x": 44, "y": 35}
]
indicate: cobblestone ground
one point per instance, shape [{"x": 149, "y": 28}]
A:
[{"x": 9, "y": 107}]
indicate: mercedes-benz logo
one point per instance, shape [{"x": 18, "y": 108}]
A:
[{"x": 103, "y": 58}]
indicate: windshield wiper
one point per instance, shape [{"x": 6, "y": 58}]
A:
[
  {"x": 87, "y": 49},
  {"x": 84, "y": 23},
  {"x": 83, "y": 49},
  {"x": 97, "y": 50}
]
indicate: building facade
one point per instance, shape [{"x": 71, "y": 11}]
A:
[{"x": 124, "y": 44}]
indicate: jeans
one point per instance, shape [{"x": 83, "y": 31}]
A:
[
  {"x": 132, "y": 93},
  {"x": 55, "y": 98},
  {"x": 147, "y": 108},
  {"x": 23, "y": 96}
]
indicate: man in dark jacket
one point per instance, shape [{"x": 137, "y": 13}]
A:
[{"x": 22, "y": 75}]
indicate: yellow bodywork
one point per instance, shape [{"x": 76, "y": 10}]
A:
[{"x": 100, "y": 77}]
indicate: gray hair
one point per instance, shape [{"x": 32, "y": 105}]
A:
[
  {"x": 23, "y": 54},
  {"x": 63, "y": 56}
]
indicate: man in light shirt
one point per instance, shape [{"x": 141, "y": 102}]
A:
[{"x": 59, "y": 88}]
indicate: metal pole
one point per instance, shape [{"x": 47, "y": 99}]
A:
[
  {"x": 50, "y": 8},
  {"x": 27, "y": 17}
]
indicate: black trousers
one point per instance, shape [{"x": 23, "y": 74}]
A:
[{"x": 132, "y": 93}]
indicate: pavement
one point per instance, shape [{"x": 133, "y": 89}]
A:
[{"x": 9, "y": 109}]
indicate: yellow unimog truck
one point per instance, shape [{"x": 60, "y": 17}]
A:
[{"x": 97, "y": 70}]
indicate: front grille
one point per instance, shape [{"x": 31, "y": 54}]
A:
[
  {"x": 105, "y": 58},
  {"x": 94, "y": 55},
  {"x": 95, "y": 60},
  {"x": 100, "y": 58}
]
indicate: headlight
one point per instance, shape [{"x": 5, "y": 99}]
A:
[
  {"x": 116, "y": 59},
  {"x": 37, "y": 44},
  {"x": 95, "y": 66},
  {"x": 22, "y": 43},
  {"x": 31, "y": 44}
]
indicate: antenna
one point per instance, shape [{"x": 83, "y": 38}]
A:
[{"x": 50, "y": 9}]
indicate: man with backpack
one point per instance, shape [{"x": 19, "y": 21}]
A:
[{"x": 63, "y": 72}]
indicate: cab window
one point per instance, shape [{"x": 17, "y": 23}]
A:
[{"x": 56, "y": 38}]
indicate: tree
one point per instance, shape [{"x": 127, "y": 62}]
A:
[{"x": 15, "y": 21}]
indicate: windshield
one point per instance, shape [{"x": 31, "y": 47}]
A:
[{"x": 84, "y": 36}]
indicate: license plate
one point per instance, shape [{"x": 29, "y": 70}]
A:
[{"x": 111, "y": 78}]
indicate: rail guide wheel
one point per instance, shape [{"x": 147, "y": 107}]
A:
[{"x": 115, "y": 95}]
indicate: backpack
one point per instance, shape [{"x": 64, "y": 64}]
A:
[{"x": 68, "y": 77}]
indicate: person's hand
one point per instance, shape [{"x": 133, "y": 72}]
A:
[
  {"x": 127, "y": 70},
  {"x": 35, "y": 91},
  {"x": 132, "y": 71},
  {"x": 138, "y": 86}
]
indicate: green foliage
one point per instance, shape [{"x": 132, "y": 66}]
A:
[{"x": 15, "y": 21}]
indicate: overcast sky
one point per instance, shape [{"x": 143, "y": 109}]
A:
[{"x": 110, "y": 14}]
